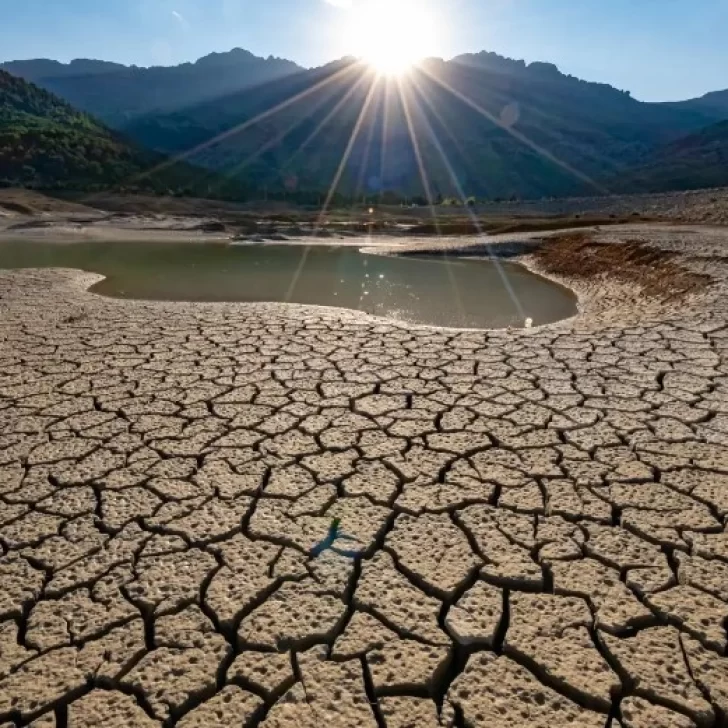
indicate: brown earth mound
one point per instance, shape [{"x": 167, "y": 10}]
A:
[{"x": 657, "y": 272}]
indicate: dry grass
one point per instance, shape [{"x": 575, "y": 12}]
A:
[
  {"x": 657, "y": 272},
  {"x": 276, "y": 216},
  {"x": 28, "y": 202},
  {"x": 498, "y": 226}
]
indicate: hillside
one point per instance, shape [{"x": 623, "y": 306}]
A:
[
  {"x": 697, "y": 161},
  {"x": 46, "y": 144},
  {"x": 716, "y": 102},
  {"x": 39, "y": 68},
  {"x": 116, "y": 94},
  {"x": 479, "y": 125},
  {"x": 505, "y": 129}
]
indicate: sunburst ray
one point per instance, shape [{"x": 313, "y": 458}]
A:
[{"x": 474, "y": 219}]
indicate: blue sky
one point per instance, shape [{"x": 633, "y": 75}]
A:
[{"x": 658, "y": 49}]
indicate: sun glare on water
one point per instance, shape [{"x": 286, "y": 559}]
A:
[{"x": 392, "y": 36}]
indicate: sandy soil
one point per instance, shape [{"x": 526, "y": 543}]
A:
[
  {"x": 31, "y": 215},
  {"x": 709, "y": 207},
  {"x": 282, "y": 516}
]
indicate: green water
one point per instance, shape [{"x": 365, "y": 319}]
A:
[{"x": 435, "y": 291}]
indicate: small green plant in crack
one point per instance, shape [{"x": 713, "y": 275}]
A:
[{"x": 329, "y": 542}]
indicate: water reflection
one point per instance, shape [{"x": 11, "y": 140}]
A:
[{"x": 425, "y": 290}]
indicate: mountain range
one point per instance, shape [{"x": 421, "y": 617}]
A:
[
  {"x": 46, "y": 144},
  {"x": 699, "y": 160},
  {"x": 116, "y": 94},
  {"x": 479, "y": 124}
]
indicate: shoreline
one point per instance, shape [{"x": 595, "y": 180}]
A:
[
  {"x": 220, "y": 442},
  {"x": 602, "y": 300}
]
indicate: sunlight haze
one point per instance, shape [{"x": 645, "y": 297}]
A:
[
  {"x": 363, "y": 364},
  {"x": 667, "y": 50},
  {"x": 391, "y": 35}
]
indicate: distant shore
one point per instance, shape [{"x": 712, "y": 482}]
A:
[
  {"x": 644, "y": 268},
  {"x": 30, "y": 215}
]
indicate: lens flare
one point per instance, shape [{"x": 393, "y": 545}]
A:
[{"x": 392, "y": 36}]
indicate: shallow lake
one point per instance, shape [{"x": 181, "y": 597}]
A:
[{"x": 432, "y": 290}]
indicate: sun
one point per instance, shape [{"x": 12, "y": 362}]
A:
[{"x": 392, "y": 36}]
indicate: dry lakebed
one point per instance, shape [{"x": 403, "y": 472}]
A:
[{"x": 286, "y": 515}]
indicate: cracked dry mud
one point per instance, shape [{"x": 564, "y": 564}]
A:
[{"x": 219, "y": 515}]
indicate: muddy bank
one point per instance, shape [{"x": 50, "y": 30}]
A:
[
  {"x": 658, "y": 273},
  {"x": 270, "y": 514}
]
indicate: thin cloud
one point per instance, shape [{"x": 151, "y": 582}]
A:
[
  {"x": 180, "y": 19},
  {"x": 340, "y": 3}
]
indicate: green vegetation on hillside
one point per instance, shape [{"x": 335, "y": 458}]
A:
[
  {"x": 480, "y": 126},
  {"x": 697, "y": 161},
  {"x": 527, "y": 132},
  {"x": 46, "y": 144}
]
